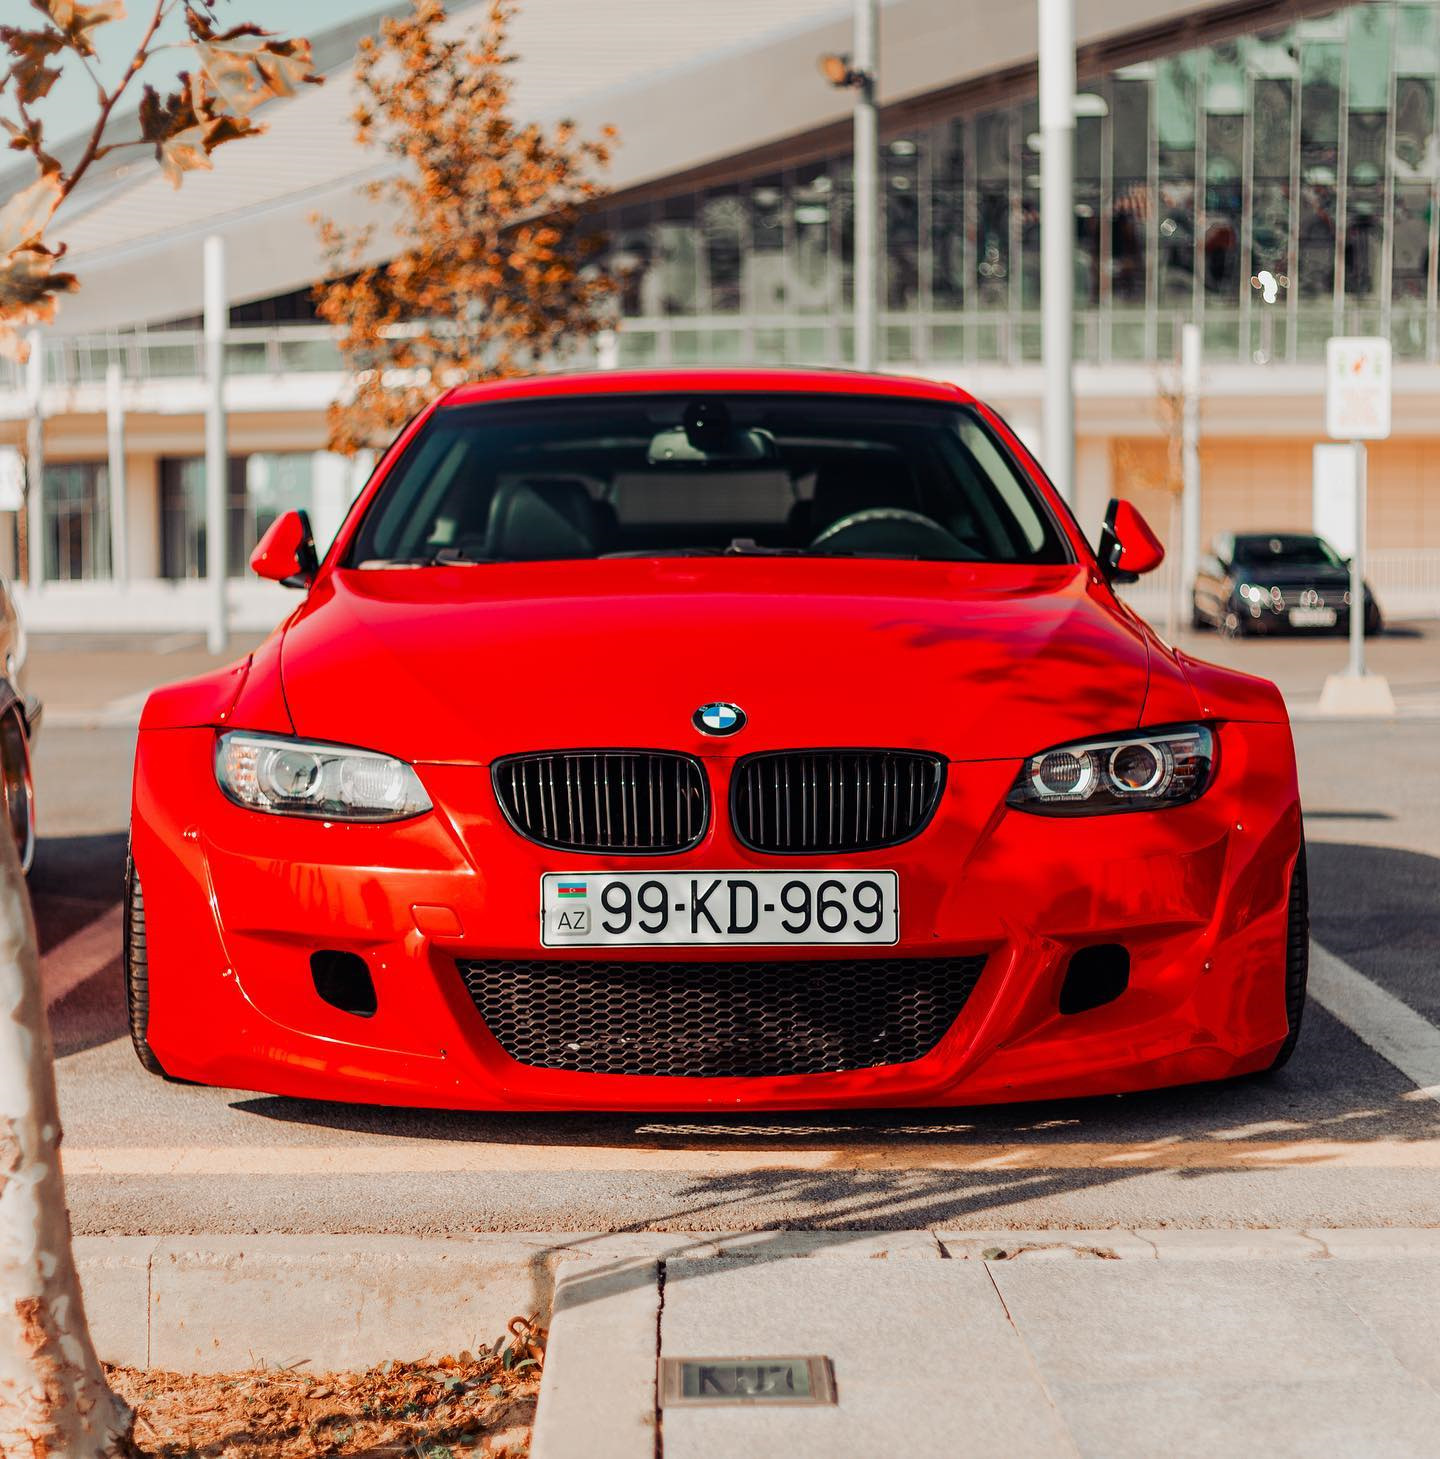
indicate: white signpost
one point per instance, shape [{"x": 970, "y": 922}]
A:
[
  {"x": 1357, "y": 409},
  {"x": 12, "y": 480},
  {"x": 1332, "y": 494}
]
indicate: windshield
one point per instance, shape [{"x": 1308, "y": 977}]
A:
[
  {"x": 632, "y": 475},
  {"x": 1286, "y": 549}
]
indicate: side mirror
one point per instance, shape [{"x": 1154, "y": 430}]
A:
[
  {"x": 286, "y": 553},
  {"x": 1127, "y": 545}
]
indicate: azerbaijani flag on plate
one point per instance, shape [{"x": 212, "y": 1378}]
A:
[{"x": 570, "y": 889}]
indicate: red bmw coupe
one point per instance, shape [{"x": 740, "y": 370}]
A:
[{"x": 713, "y": 739}]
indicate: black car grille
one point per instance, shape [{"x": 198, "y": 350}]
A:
[
  {"x": 605, "y": 800},
  {"x": 716, "y": 1019},
  {"x": 833, "y": 800}
]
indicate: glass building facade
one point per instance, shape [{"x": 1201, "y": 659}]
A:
[{"x": 1277, "y": 188}]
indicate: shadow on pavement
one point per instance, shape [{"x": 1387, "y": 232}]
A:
[
  {"x": 80, "y": 866},
  {"x": 74, "y": 880}
]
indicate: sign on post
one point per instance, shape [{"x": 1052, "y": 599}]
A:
[
  {"x": 1357, "y": 389},
  {"x": 1357, "y": 409}
]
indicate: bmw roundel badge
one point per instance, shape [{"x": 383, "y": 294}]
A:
[{"x": 718, "y": 719}]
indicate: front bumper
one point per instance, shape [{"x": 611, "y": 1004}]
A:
[{"x": 237, "y": 901}]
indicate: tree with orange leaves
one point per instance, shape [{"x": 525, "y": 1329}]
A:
[
  {"x": 493, "y": 272},
  {"x": 235, "y": 69}
]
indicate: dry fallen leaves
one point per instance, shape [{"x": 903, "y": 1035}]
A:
[{"x": 468, "y": 1404}]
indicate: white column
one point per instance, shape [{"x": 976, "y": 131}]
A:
[
  {"x": 35, "y": 461},
  {"x": 1189, "y": 461},
  {"x": 330, "y": 496},
  {"x": 1057, "y": 236},
  {"x": 216, "y": 464},
  {"x": 115, "y": 470},
  {"x": 1357, "y": 564},
  {"x": 865, "y": 63}
]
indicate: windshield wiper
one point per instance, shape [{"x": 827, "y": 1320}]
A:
[
  {"x": 442, "y": 557},
  {"x": 749, "y": 547},
  {"x": 740, "y": 547}
]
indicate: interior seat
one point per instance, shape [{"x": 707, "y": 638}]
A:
[{"x": 539, "y": 520}]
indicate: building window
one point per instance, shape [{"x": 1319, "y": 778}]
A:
[
  {"x": 260, "y": 487},
  {"x": 77, "y": 521},
  {"x": 1308, "y": 151}
]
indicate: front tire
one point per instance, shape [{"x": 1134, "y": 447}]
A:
[
  {"x": 137, "y": 971},
  {"x": 1297, "y": 958}
]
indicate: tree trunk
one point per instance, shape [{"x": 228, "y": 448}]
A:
[{"x": 54, "y": 1402}]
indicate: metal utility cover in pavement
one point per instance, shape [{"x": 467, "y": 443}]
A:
[{"x": 686, "y": 1382}]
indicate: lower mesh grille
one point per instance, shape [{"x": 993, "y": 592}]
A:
[{"x": 718, "y": 1019}]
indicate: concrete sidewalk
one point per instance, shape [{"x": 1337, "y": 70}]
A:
[
  {"x": 1215, "y": 1349},
  {"x": 1106, "y": 1343}
]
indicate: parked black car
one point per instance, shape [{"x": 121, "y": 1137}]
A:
[{"x": 1276, "y": 582}]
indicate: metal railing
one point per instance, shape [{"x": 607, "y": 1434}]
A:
[
  {"x": 179, "y": 354},
  {"x": 979, "y": 337},
  {"x": 1002, "y": 337}
]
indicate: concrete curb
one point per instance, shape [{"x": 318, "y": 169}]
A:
[
  {"x": 214, "y": 1303},
  {"x": 598, "y": 1399}
]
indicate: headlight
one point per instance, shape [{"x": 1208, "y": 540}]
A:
[
  {"x": 1132, "y": 772},
  {"x": 1250, "y": 593},
  {"x": 328, "y": 782}
]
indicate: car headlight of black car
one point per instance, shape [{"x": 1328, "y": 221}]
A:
[
  {"x": 291, "y": 777},
  {"x": 1140, "y": 771}
]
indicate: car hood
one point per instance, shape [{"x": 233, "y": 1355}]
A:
[
  {"x": 1279, "y": 575},
  {"x": 469, "y": 663}
]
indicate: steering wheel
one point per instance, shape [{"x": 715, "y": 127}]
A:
[{"x": 883, "y": 530}]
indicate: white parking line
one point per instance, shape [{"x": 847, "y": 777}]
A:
[
  {"x": 1392, "y": 1028},
  {"x": 83, "y": 954}
]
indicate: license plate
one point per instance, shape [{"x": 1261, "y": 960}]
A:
[
  {"x": 1312, "y": 618},
  {"x": 730, "y": 908}
]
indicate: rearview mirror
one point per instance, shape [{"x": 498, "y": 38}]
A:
[
  {"x": 286, "y": 553},
  {"x": 1127, "y": 545}
]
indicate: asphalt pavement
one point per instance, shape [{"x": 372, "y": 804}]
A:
[{"x": 1345, "y": 1136}]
